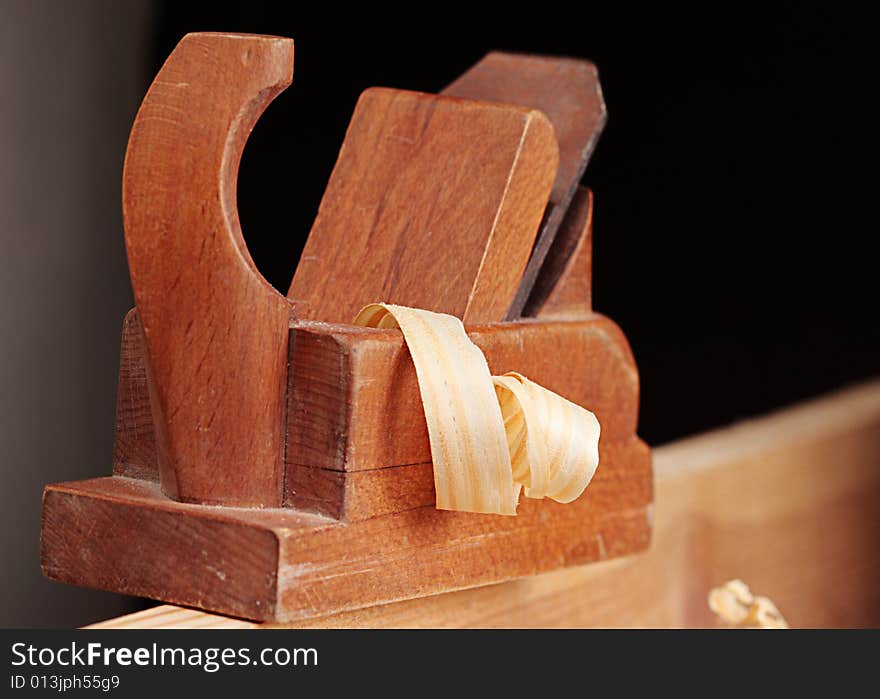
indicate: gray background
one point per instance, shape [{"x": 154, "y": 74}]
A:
[{"x": 71, "y": 78}]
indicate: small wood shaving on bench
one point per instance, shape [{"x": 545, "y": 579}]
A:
[
  {"x": 736, "y": 606},
  {"x": 491, "y": 436}
]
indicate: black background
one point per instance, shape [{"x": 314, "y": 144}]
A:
[{"x": 733, "y": 238}]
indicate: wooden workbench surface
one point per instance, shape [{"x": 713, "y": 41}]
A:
[{"x": 787, "y": 502}]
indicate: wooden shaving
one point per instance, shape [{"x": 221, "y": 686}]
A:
[
  {"x": 491, "y": 437},
  {"x": 734, "y": 603}
]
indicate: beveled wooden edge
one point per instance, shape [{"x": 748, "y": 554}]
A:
[{"x": 747, "y": 500}]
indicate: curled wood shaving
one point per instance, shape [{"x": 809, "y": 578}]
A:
[
  {"x": 490, "y": 436},
  {"x": 734, "y": 603}
]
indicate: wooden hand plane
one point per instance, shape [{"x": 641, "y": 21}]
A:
[{"x": 271, "y": 460}]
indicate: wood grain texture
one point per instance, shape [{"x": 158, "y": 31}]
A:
[
  {"x": 167, "y": 616},
  {"x": 563, "y": 287},
  {"x": 134, "y": 440},
  {"x": 361, "y": 452},
  {"x": 351, "y": 496},
  {"x": 355, "y": 404},
  {"x": 216, "y": 332},
  {"x": 788, "y": 502},
  {"x": 124, "y": 535},
  {"x": 434, "y": 202},
  {"x": 109, "y": 544},
  {"x": 354, "y": 410},
  {"x": 568, "y": 91}
]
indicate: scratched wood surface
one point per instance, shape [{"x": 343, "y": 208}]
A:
[
  {"x": 355, "y": 408},
  {"x": 787, "y": 502},
  {"x": 568, "y": 91},
  {"x": 217, "y": 424},
  {"x": 122, "y": 534},
  {"x": 434, "y": 202},
  {"x": 350, "y": 388},
  {"x": 362, "y": 528}
]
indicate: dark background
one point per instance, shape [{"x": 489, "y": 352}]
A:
[
  {"x": 733, "y": 238},
  {"x": 730, "y": 238}
]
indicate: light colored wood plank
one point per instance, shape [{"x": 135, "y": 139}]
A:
[
  {"x": 167, "y": 616},
  {"x": 788, "y": 502}
]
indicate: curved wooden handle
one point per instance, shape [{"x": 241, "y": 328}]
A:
[{"x": 215, "y": 331}]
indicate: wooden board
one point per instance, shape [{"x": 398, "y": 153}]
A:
[
  {"x": 567, "y": 90},
  {"x": 434, "y": 202},
  {"x": 788, "y": 502}
]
